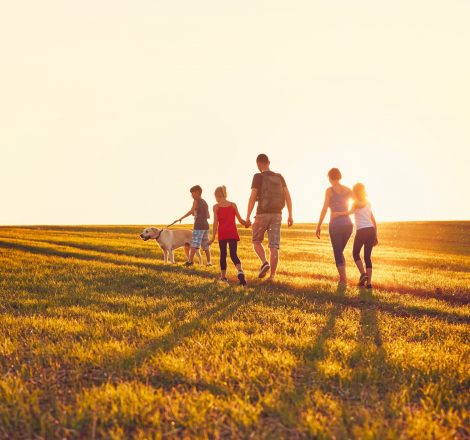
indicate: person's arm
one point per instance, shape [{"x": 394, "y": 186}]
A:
[
  {"x": 323, "y": 212},
  {"x": 237, "y": 214},
  {"x": 251, "y": 205},
  {"x": 190, "y": 212},
  {"x": 215, "y": 226},
  {"x": 373, "y": 220},
  {"x": 290, "y": 220},
  {"x": 343, "y": 213},
  {"x": 375, "y": 226}
]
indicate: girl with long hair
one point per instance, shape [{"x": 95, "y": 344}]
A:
[
  {"x": 225, "y": 227},
  {"x": 366, "y": 233}
]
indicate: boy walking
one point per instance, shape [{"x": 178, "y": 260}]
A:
[
  {"x": 200, "y": 238},
  {"x": 270, "y": 190}
]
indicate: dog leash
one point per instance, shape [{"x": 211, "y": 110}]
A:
[
  {"x": 168, "y": 226},
  {"x": 176, "y": 221}
]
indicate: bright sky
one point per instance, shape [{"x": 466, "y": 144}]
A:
[{"x": 111, "y": 110}]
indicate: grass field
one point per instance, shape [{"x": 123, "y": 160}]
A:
[{"x": 100, "y": 339}]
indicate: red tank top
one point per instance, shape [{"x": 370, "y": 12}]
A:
[{"x": 227, "y": 226}]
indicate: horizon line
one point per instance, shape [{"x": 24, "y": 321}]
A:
[{"x": 189, "y": 224}]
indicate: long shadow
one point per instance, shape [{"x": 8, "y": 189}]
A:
[
  {"x": 116, "y": 261},
  {"x": 165, "y": 343},
  {"x": 99, "y": 248},
  {"x": 283, "y": 288},
  {"x": 15, "y": 306},
  {"x": 371, "y": 382},
  {"x": 370, "y": 345},
  {"x": 116, "y": 368},
  {"x": 461, "y": 299},
  {"x": 322, "y": 296},
  {"x": 87, "y": 247},
  {"x": 305, "y": 375},
  {"x": 127, "y": 366},
  {"x": 368, "y": 386}
]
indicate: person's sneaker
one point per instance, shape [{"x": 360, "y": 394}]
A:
[
  {"x": 241, "y": 278},
  {"x": 369, "y": 286},
  {"x": 189, "y": 264},
  {"x": 264, "y": 270},
  {"x": 362, "y": 280},
  {"x": 208, "y": 264},
  {"x": 223, "y": 280}
]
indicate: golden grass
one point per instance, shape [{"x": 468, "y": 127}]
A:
[{"x": 99, "y": 339}]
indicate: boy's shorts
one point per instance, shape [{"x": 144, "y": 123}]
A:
[
  {"x": 200, "y": 239},
  {"x": 270, "y": 223}
]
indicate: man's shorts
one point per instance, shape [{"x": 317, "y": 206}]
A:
[
  {"x": 200, "y": 239},
  {"x": 270, "y": 223}
]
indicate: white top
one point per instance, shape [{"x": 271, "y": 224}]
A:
[{"x": 362, "y": 217}]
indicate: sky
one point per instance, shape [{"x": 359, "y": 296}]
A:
[{"x": 111, "y": 110}]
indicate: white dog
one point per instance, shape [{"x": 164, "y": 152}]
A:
[{"x": 169, "y": 240}]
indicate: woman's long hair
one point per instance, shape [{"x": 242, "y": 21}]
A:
[{"x": 359, "y": 191}]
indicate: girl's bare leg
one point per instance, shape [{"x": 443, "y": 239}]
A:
[
  {"x": 342, "y": 274},
  {"x": 369, "y": 275},
  {"x": 360, "y": 266},
  {"x": 208, "y": 255}
]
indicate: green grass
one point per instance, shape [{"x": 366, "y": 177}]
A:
[{"x": 100, "y": 339}]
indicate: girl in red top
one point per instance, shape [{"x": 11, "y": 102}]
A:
[{"x": 224, "y": 223}]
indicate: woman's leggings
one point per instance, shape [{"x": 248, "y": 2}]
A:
[
  {"x": 223, "y": 253},
  {"x": 339, "y": 236},
  {"x": 364, "y": 237}
]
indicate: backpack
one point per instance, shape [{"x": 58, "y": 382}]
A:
[{"x": 271, "y": 197}]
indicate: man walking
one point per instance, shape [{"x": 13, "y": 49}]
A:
[{"x": 269, "y": 189}]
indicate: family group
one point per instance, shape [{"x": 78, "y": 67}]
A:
[{"x": 269, "y": 190}]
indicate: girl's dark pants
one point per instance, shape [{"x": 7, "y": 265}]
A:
[
  {"x": 364, "y": 237},
  {"x": 339, "y": 236},
  {"x": 223, "y": 252}
]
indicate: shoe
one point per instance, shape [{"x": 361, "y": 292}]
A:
[
  {"x": 223, "y": 280},
  {"x": 189, "y": 264},
  {"x": 241, "y": 278},
  {"x": 362, "y": 280},
  {"x": 208, "y": 264},
  {"x": 369, "y": 286},
  {"x": 264, "y": 270}
]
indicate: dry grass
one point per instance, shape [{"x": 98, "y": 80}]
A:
[{"x": 98, "y": 339}]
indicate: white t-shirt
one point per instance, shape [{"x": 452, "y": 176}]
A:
[{"x": 362, "y": 217}]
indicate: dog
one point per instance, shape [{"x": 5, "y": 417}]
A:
[{"x": 169, "y": 240}]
